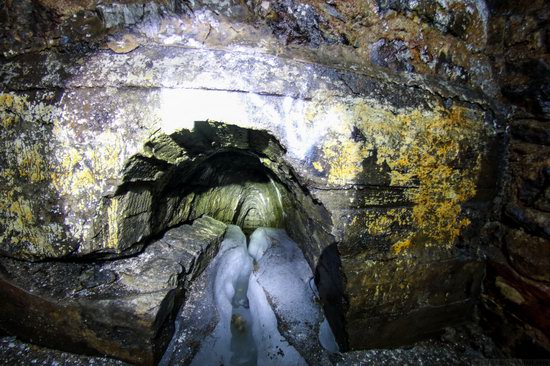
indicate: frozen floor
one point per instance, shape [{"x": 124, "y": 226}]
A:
[
  {"x": 262, "y": 300},
  {"x": 277, "y": 322}
]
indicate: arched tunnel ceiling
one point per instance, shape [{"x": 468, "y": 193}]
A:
[
  {"x": 232, "y": 174},
  {"x": 236, "y": 188},
  {"x": 341, "y": 130}
]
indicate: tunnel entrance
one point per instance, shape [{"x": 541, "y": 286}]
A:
[
  {"x": 235, "y": 175},
  {"x": 278, "y": 322}
]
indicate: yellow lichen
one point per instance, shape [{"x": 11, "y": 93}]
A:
[
  {"x": 21, "y": 224},
  {"x": 401, "y": 245},
  {"x": 6, "y": 105},
  {"x": 23, "y": 214},
  {"x": 8, "y": 121},
  {"x": 443, "y": 187},
  {"x": 6, "y": 100},
  {"x": 30, "y": 161},
  {"x": 378, "y": 224},
  {"x": 425, "y": 152},
  {"x": 431, "y": 159},
  {"x": 344, "y": 157},
  {"x": 81, "y": 170},
  {"x": 317, "y": 165},
  {"x": 112, "y": 222},
  {"x": 27, "y": 164}
]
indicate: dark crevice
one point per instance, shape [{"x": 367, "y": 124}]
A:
[{"x": 331, "y": 281}]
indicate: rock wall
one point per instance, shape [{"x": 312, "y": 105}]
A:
[
  {"x": 382, "y": 122},
  {"x": 516, "y": 288},
  {"x": 124, "y": 309}
]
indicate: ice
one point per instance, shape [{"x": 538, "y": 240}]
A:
[
  {"x": 259, "y": 242},
  {"x": 285, "y": 276},
  {"x": 233, "y": 269},
  {"x": 273, "y": 349},
  {"x": 234, "y": 265},
  {"x": 269, "y": 316},
  {"x": 326, "y": 337}
]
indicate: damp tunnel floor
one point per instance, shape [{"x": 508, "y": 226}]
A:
[
  {"x": 280, "y": 293},
  {"x": 253, "y": 305}
]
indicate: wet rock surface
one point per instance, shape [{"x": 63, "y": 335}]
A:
[
  {"x": 439, "y": 308},
  {"x": 17, "y": 353},
  {"x": 196, "y": 319},
  {"x": 384, "y": 122},
  {"x": 124, "y": 308}
]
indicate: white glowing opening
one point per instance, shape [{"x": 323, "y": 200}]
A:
[{"x": 181, "y": 108}]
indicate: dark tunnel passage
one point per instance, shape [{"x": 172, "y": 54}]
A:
[
  {"x": 239, "y": 176},
  {"x": 235, "y": 175},
  {"x": 235, "y": 188}
]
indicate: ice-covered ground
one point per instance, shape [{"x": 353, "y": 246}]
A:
[
  {"x": 269, "y": 331},
  {"x": 264, "y": 302},
  {"x": 283, "y": 274},
  {"x": 231, "y": 342}
]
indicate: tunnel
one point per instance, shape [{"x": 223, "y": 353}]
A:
[
  {"x": 181, "y": 177},
  {"x": 233, "y": 174},
  {"x": 237, "y": 176},
  {"x": 235, "y": 188}
]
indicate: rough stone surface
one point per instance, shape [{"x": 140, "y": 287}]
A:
[
  {"x": 380, "y": 122},
  {"x": 411, "y": 305},
  {"x": 463, "y": 345},
  {"x": 123, "y": 308},
  {"x": 445, "y": 38},
  {"x": 516, "y": 293},
  {"x": 13, "y": 352},
  {"x": 196, "y": 319}
]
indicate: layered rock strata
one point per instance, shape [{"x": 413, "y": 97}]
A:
[
  {"x": 114, "y": 120},
  {"x": 124, "y": 309}
]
